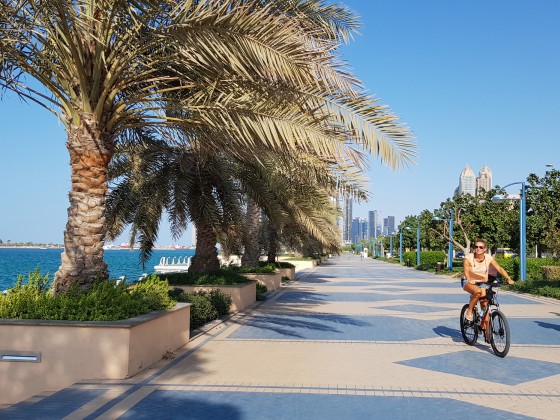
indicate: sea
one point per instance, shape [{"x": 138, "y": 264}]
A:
[{"x": 121, "y": 262}]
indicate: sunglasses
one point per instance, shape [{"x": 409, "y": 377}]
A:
[{"x": 481, "y": 247}]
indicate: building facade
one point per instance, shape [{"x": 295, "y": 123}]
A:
[{"x": 347, "y": 222}]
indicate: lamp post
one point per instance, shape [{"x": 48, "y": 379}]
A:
[
  {"x": 522, "y": 229},
  {"x": 391, "y": 245},
  {"x": 450, "y": 247},
  {"x": 418, "y": 244},
  {"x": 400, "y": 245}
]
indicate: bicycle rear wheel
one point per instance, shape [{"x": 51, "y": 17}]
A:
[
  {"x": 469, "y": 330},
  {"x": 500, "y": 334}
]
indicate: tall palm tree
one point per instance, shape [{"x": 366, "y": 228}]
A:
[{"x": 107, "y": 68}]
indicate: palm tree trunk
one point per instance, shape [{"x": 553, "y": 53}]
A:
[
  {"x": 251, "y": 254},
  {"x": 205, "y": 259},
  {"x": 82, "y": 259},
  {"x": 272, "y": 244}
]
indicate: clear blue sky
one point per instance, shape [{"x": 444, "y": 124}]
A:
[{"x": 477, "y": 82}]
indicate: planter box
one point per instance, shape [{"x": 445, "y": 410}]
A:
[
  {"x": 272, "y": 281},
  {"x": 242, "y": 295},
  {"x": 288, "y": 272},
  {"x": 70, "y": 351},
  {"x": 301, "y": 265}
]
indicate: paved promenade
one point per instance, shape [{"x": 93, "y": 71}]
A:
[{"x": 350, "y": 339}]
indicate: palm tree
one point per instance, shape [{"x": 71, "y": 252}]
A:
[{"x": 248, "y": 73}]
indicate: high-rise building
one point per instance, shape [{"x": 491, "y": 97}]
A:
[
  {"x": 484, "y": 180},
  {"x": 467, "y": 181},
  {"x": 389, "y": 225},
  {"x": 359, "y": 229},
  {"x": 347, "y": 230},
  {"x": 372, "y": 224},
  {"x": 469, "y": 184}
]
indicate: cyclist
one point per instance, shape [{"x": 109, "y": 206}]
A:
[{"x": 475, "y": 271}]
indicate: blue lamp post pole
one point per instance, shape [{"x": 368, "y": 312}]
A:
[
  {"x": 418, "y": 244},
  {"x": 450, "y": 248},
  {"x": 522, "y": 227},
  {"x": 391, "y": 245},
  {"x": 400, "y": 245}
]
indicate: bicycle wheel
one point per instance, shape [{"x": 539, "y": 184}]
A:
[
  {"x": 500, "y": 334},
  {"x": 469, "y": 330}
]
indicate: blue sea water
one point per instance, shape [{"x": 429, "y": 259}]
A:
[{"x": 122, "y": 262}]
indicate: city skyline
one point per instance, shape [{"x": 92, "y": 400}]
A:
[{"x": 479, "y": 97}]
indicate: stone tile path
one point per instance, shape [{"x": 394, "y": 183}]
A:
[{"x": 350, "y": 338}]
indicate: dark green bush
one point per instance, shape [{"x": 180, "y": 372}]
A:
[
  {"x": 548, "y": 288},
  {"x": 105, "y": 301},
  {"x": 280, "y": 264},
  {"x": 206, "y": 306},
  {"x": 223, "y": 277},
  {"x": 427, "y": 258},
  {"x": 261, "y": 290},
  {"x": 267, "y": 268},
  {"x": 534, "y": 270}
]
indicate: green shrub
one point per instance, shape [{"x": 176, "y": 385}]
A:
[
  {"x": 105, "y": 301},
  {"x": 223, "y": 277},
  {"x": 427, "y": 258},
  {"x": 261, "y": 290},
  {"x": 267, "y": 268},
  {"x": 281, "y": 264},
  {"x": 300, "y": 259},
  {"x": 550, "y": 272},
  {"x": 547, "y": 288},
  {"x": 206, "y": 306},
  {"x": 534, "y": 270}
]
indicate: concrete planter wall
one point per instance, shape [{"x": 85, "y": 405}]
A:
[
  {"x": 69, "y": 351},
  {"x": 242, "y": 295},
  {"x": 272, "y": 281},
  {"x": 289, "y": 272},
  {"x": 301, "y": 265}
]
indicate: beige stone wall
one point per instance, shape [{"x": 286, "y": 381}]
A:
[
  {"x": 73, "y": 351},
  {"x": 242, "y": 295}
]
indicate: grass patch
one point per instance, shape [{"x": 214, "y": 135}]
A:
[{"x": 105, "y": 301}]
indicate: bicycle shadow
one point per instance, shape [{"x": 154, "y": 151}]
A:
[{"x": 452, "y": 333}]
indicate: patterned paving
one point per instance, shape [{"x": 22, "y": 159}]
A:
[{"x": 350, "y": 338}]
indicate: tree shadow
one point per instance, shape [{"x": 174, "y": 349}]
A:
[{"x": 548, "y": 325}]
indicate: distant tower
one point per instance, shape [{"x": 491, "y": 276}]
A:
[
  {"x": 338, "y": 202},
  {"x": 193, "y": 236},
  {"x": 467, "y": 182},
  {"x": 372, "y": 224},
  {"x": 347, "y": 230},
  {"x": 484, "y": 180},
  {"x": 389, "y": 225}
]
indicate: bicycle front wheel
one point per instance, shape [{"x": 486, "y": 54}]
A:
[
  {"x": 469, "y": 330},
  {"x": 500, "y": 334}
]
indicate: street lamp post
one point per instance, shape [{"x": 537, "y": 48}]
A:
[
  {"x": 400, "y": 245},
  {"x": 391, "y": 245},
  {"x": 522, "y": 228},
  {"x": 418, "y": 244},
  {"x": 450, "y": 245}
]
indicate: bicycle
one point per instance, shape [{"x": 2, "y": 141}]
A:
[{"x": 498, "y": 335}]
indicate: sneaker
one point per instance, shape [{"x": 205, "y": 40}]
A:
[{"x": 468, "y": 318}]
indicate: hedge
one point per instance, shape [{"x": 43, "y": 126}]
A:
[
  {"x": 534, "y": 266},
  {"x": 427, "y": 258}
]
